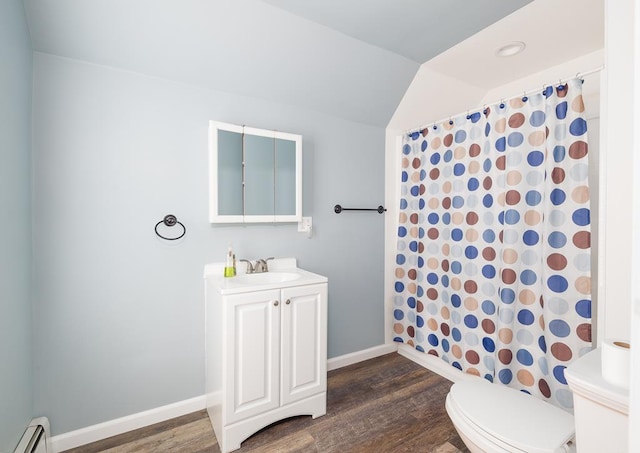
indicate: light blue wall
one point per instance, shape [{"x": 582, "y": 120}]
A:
[
  {"x": 119, "y": 319},
  {"x": 15, "y": 227}
]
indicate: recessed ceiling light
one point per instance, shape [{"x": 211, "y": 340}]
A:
[{"x": 511, "y": 49}]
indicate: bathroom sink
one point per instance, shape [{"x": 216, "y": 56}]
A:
[{"x": 265, "y": 278}]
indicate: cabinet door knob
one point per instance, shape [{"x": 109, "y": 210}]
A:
[
  {"x": 276, "y": 303},
  {"x": 288, "y": 301}
]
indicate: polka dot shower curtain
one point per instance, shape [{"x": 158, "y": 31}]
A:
[{"x": 493, "y": 262}]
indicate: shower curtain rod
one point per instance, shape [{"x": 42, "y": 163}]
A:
[{"x": 524, "y": 93}]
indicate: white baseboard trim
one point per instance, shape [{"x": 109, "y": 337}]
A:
[
  {"x": 122, "y": 425},
  {"x": 433, "y": 363},
  {"x": 360, "y": 356}
]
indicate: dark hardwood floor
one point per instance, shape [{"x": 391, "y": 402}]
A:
[{"x": 386, "y": 404}]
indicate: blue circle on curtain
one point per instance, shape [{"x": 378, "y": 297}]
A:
[
  {"x": 448, "y": 155},
  {"x": 403, "y": 203},
  {"x": 423, "y": 146},
  {"x": 457, "y": 202},
  {"x": 456, "y": 267},
  {"x": 405, "y": 176},
  {"x": 542, "y": 344},
  {"x": 488, "y": 271},
  {"x": 487, "y": 130},
  {"x": 460, "y": 136},
  {"x": 488, "y": 344},
  {"x": 488, "y": 307},
  {"x": 515, "y": 139},
  {"x": 432, "y": 339},
  {"x": 456, "y": 334},
  {"x": 488, "y": 377},
  {"x": 559, "y": 153},
  {"x": 578, "y": 127},
  {"x": 432, "y": 278},
  {"x": 558, "y": 373},
  {"x": 406, "y": 149},
  {"x": 420, "y": 348},
  {"x": 414, "y": 135},
  {"x": 526, "y": 317},
  {"x": 402, "y": 231},
  {"x": 473, "y": 184},
  {"x": 505, "y": 376},
  {"x": 487, "y": 201},
  {"x": 561, "y": 110},
  {"x": 415, "y": 191},
  {"x": 457, "y": 234},
  {"x": 548, "y": 91},
  {"x": 507, "y": 295},
  {"x": 398, "y": 314},
  {"x": 486, "y": 165},
  {"x": 530, "y": 237},
  {"x": 421, "y": 203},
  {"x": 501, "y": 218},
  {"x": 501, "y": 144},
  {"x": 557, "y": 240},
  {"x": 411, "y": 302},
  {"x": 420, "y": 321},
  {"x": 474, "y": 117},
  {"x": 557, "y": 283},
  {"x": 489, "y": 236},
  {"x": 458, "y": 169},
  {"x": 557, "y": 197},
  {"x": 471, "y": 321},
  {"x": 399, "y": 287},
  {"x": 445, "y": 345},
  {"x": 446, "y": 218},
  {"x": 537, "y": 118},
  {"x": 511, "y": 217},
  {"x": 581, "y": 217},
  {"x": 423, "y": 175},
  {"x": 413, "y": 246},
  {"x": 559, "y": 328},
  {"x": 528, "y": 277},
  {"x": 420, "y": 291},
  {"x": 400, "y": 259},
  {"x": 535, "y": 158},
  {"x": 455, "y": 300},
  {"x": 456, "y": 365},
  {"x": 398, "y": 340},
  {"x": 420, "y": 259},
  {"x": 583, "y": 308},
  {"x": 433, "y": 218},
  {"x": 533, "y": 198},
  {"x": 435, "y": 158},
  {"x": 524, "y": 357},
  {"x": 445, "y": 281},
  {"x": 471, "y": 252}
]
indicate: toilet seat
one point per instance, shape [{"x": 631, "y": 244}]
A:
[{"x": 500, "y": 419}]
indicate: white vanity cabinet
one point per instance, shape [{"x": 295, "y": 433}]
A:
[{"x": 266, "y": 353}]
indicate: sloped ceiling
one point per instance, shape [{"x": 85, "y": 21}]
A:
[
  {"x": 415, "y": 29},
  {"x": 253, "y": 48}
]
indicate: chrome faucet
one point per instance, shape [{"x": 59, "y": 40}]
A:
[{"x": 259, "y": 267}]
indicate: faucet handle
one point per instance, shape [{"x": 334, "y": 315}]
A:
[{"x": 250, "y": 269}]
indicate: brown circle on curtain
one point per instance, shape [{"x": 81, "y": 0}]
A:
[
  {"x": 557, "y": 175},
  {"x": 578, "y": 149},
  {"x": 561, "y": 351}
]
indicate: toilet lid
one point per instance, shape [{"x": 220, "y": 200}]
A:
[{"x": 523, "y": 421}]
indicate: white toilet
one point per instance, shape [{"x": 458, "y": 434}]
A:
[{"x": 493, "y": 418}]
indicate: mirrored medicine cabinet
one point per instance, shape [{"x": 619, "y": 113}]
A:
[{"x": 255, "y": 175}]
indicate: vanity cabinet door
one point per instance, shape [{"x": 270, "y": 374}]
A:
[
  {"x": 304, "y": 342},
  {"x": 252, "y": 364}
]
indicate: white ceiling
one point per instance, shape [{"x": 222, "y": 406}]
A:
[
  {"x": 353, "y": 59},
  {"x": 415, "y": 29}
]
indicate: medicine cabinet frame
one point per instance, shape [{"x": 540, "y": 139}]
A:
[{"x": 217, "y": 130}]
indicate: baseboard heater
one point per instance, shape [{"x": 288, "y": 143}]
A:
[{"x": 36, "y": 437}]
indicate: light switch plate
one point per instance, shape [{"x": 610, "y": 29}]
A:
[{"x": 304, "y": 226}]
